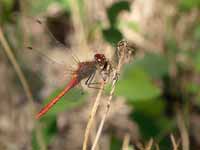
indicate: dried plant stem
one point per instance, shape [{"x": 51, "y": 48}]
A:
[
  {"x": 175, "y": 145},
  {"x": 149, "y": 145},
  {"x": 183, "y": 129},
  {"x": 16, "y": 66},
  {"x": 78, "y": 25},
  {"x": 116, "y": 72},
  {"x": 126, "y": 142},
  {"x": 157, "y": 146},
  {"x": 23, "y": 81},
  {"x": 92, "y": 115}
]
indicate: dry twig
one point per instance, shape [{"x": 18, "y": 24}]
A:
[
  {"x": 183, "y": 129},
  {"x": 122, "y": 49},
  {"x": 24, "y": 83},
  {"x": 174, "y": 144},
  {"x": 126, "y": 142},
  {"x": 149, "y": 145},
  {"x": 157, "y": 146},
  {"x": 92, "y": 115}
]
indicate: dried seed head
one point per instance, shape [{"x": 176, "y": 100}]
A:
[{"x": 123, "y": 47}]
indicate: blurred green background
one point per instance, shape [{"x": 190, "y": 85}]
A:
[{"x": 158, "y": 92}]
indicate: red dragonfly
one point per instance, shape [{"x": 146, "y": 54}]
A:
[{"x": 84, "y": 70}]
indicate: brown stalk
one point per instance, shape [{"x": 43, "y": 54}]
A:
[
  {"x": 115, "y": 77},
  {"x": 149, "y": 145},
  {"x": 126, "y": 141},
  {"x": 92, "y": 116},
  {"x": 174, "y": 144},
  {"x": 183, "y": 129},
  {"x": 24, "y": 83}
]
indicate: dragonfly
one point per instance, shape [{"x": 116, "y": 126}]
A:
[{"x": 84, "y": 70}]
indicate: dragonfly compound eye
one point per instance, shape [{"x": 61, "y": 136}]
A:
[{"x": 100, "y": 58}]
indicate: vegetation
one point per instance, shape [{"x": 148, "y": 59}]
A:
[{"x": 156, "y": 101}]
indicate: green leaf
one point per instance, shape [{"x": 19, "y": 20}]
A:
[
  {"x": 154, "y": 64},
  {"x": 187, "y": 5},
  {"x": 6, "y": 13},
  {"x": 8, "y": 4},
  {"x": 49, "y": 128},
  {"x": 135, "y": 84},
  {"x": 150, "y": 107},
  {"x": 116, "y": 144},
  {"x": 35, "y": 144},
  {"x": 149, "y": 126},
  {"x": 115, "y": 9},
  {"x": 48, "y": 131},
  {"x": 112, "y": 35},
  {"x": 72, "y": 99}
]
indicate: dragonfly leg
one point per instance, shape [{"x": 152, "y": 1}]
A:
[{"x": 91, "y": 84}]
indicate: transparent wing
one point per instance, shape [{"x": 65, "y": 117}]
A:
[{"x": 53, "y": 63}]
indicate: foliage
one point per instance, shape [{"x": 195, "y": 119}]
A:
[
  {"x": 142, "y": 82},
  {"x": 73, "y": 99},
  {"x": 112, "y": 13}
]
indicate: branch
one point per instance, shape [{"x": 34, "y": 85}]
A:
[
  {"x": 24, "y": 83},
  {"x": 123, "y": 51},
  {"x": 92, "y": 115}
]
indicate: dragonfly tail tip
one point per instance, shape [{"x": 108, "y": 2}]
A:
[{"x": 38, "y": 116}]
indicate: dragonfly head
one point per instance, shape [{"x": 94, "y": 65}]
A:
[
  {"x": 100, "y": 59},
  {"x": 104, "y": 65}
]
